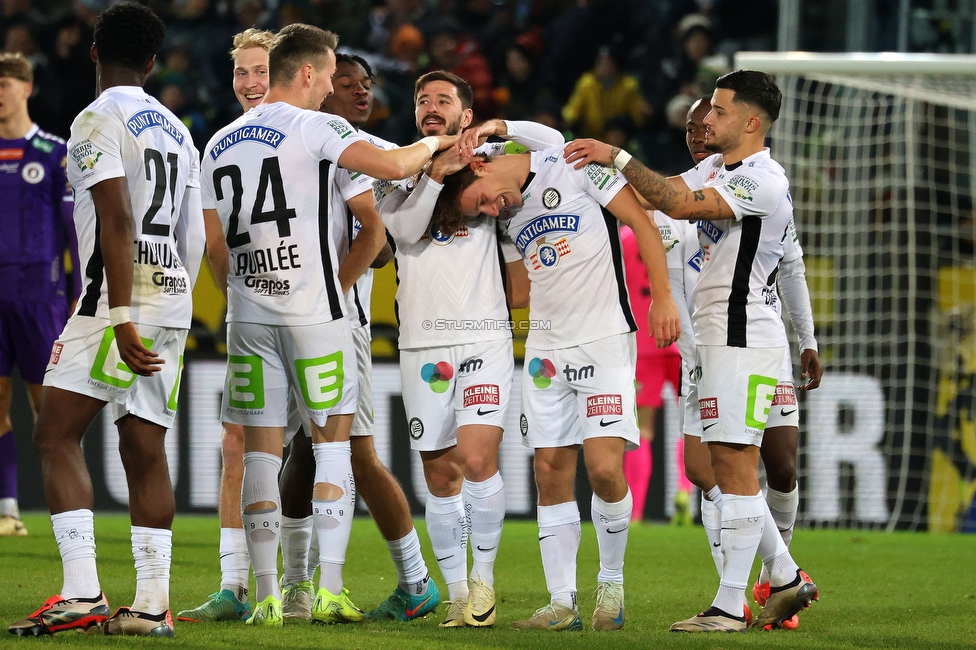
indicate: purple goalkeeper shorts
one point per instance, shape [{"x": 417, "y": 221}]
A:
[{"x": 28, "y": 330}]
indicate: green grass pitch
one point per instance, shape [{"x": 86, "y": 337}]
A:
[{"x": 876, "y": 590}]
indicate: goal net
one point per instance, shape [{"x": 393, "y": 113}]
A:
[{"x": 878, "y": 149}]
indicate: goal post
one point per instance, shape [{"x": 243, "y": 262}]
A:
[{"x": 878, "y": 149}]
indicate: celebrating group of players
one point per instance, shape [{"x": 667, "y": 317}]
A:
[{"x": 294, "y": 203}]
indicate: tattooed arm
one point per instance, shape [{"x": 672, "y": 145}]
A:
[{"x": 669, "y": 195}]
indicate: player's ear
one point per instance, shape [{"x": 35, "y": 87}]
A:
[
  {"x": 467, "y": 116},
  {"x": 150, "y": 65},
  {"x": 479, "y": 167},
  {"x": 753, "y": 124},
  {"x": 93, "y": 53}
]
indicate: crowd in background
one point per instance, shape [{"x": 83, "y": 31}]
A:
[{"x": 625, "y": 71}]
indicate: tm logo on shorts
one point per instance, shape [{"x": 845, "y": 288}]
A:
[
  {"x": 760, "y": 399},
  {"x": 542, "y": 372},
  {"x": 437, "y": 375},
  {"x": 321, "y": 380},
  {"x": 109, "y": 367},
  {"x": 245, "y": 381}
]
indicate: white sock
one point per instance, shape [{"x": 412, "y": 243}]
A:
[
  {"x": 313, "y": 554},
  {"x": 296, "y": 534},
  {"x": 412, "y": 574},
  {"x": 485, "y": 502},
  {"x": 712, "y": 520},
  {"x": 612, "y": 522},
  {"x": 262, "y": 526},
  {"x": 715, "y": 494},
  {"x": 447, "y": 529},
  {"x": 776, "y": 558},
  {"x": 152, "y": 550},
  {"x": 75, "y": 533},
  {"x": 783, "y": 507},
  {"x": 559, "y": 541},
  {"x": 234, "y": 562},
  {"x": 333, "y": 514},
  {"x": 742, "y": 529},
  {"x": 8, "y": 506}
]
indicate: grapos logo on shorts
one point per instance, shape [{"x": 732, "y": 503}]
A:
[
  {"x": 321, "y": 380},
  {"x": 245, "y": 382},
  {"x": 109, "y": 368},
  {"x": 759, "y": 400}
]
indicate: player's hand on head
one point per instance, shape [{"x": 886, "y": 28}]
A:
[
  {"x": 447, "y": 162},
  {"x": 663, "y": 321},
  {"x": 473, "y": 137},
  {"x": 583, "y": 151},
  {"x": 140, "y": 360},
  {"x": 811, "y": 368}
]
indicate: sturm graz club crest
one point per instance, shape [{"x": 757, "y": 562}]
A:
[
  {"x": 416, "y": 428},
  {"x": 550, "y": 198}
]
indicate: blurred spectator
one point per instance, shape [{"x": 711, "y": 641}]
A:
[
  {"x": 72, "y": 70},
  {"x": 603, "y": 93},
  {"x": 519, "y": 83},
  {"x": 451, "y": 50},
  {"x": 746, "y": 25},
  {"x": 171, "y": 96}
]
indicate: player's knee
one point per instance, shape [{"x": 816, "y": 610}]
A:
[
  {"x": 141, "y": 451},
  {"x": 700, "y": 474},
  {"x": 781, "y": 476},
  {"x": 480, "y": 467},
  {"x": 232, "y": 444}
]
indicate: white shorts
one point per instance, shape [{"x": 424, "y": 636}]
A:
[
  {"x": 586, "y": 391},
  {"x": 362, "y": 424},
  {"x": 455, "y": 386},
  {"x": 265, "y": 363},
  {"x": 784, "y": 412},
  {"x": 85, "y": 359},
  {"x": 735, "y": 392}
]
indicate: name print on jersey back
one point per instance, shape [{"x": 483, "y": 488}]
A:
[{"x": 277, "y": 216}]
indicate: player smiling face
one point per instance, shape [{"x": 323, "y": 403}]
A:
[
  {"x": 251, "y": 76},
  {"x": 491, "y": 194},
  {"x": 352, "y": 97},
  {"x": 439, "y": 109}
]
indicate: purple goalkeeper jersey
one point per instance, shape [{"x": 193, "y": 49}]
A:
[{"x": 36, "y": 227}]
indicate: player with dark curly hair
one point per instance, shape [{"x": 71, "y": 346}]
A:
[{"x": 136, "y": 180}]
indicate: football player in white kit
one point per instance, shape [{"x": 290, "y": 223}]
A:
[
  {"x": 135, "y": 174},
  {"x": 578, "y": 383},
  {"x": 456, "y": 360},
  {"x": 229, "y": 603},
  {"x": 269, "y": 177},
  {"x": 780, "y": 440},
  {"x": 360, "y": 241},
  {"x": 744, "y": 212}
]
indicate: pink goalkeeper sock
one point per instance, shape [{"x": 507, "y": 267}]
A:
[
  {"x": 637, "y": 472},
  {"x": 683, "y": 483}
]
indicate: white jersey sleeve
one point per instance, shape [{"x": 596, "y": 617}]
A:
[
  {"x": 406, "y": 214},
  {"x": 96, "y": 149},
  {"x": 753, "y": 191}
]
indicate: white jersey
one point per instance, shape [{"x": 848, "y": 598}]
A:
[
  {"x": 680, "y": 239},
  {"x": 449, "y": 288},
  {"x": 572, "y": 251},
  {"x": 735, "y": 298},
  {"x": 270, "y": 176},
  {"x": 126, "y": 133},
  {"x": 351, "y": 184}
]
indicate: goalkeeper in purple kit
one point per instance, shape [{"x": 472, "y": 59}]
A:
[{"x": 36, "y": 229}]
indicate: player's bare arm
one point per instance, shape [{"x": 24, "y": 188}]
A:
[
  {"x": 367, "y": 244},
  {"x": 384, "y": 256},
  {"x": 217, "y": 251},
  {"x": 392, "y": 164},
  {"x": 475, "y": 136},
  {"x": 669, "y": 195},
  {"x": 116, "y": 237},
  {"x": 517, "y": 285},
  {"x": 663, "y": 319},
  {"x": 448, "y": 162}
]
